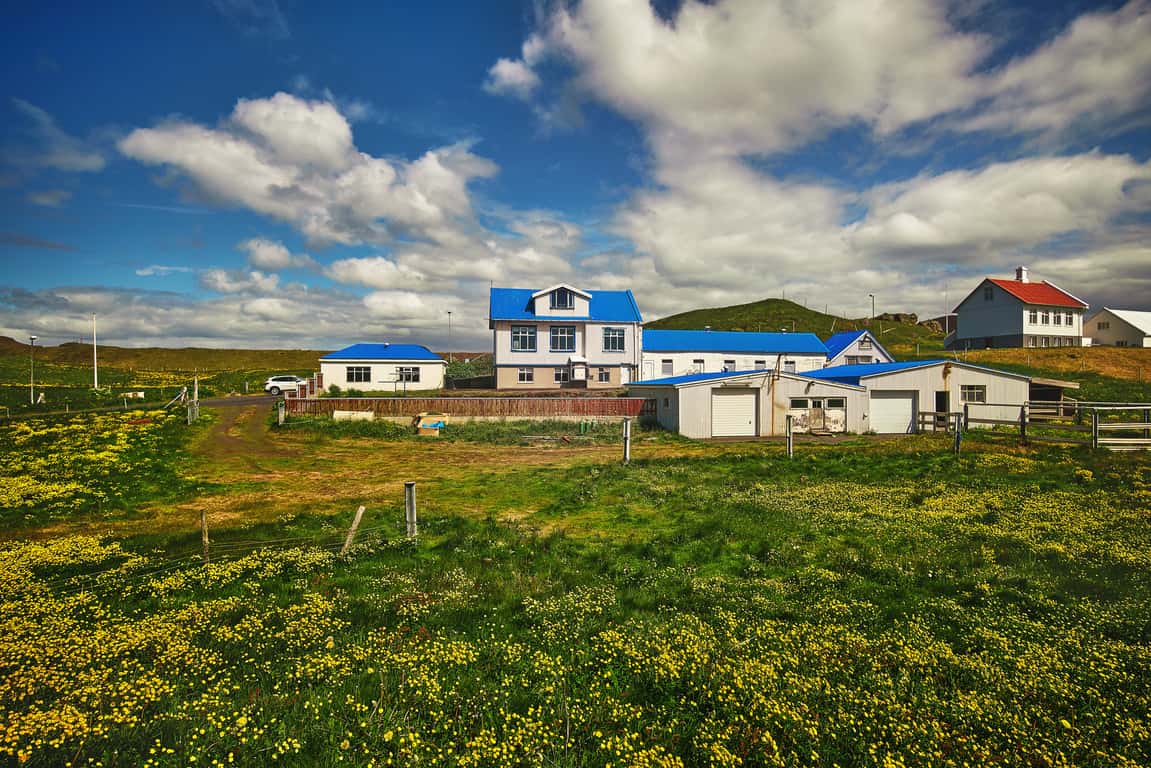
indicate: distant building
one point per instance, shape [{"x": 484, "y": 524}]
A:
[
  {"x": 855, "y": 348},
  {"x": 563, "y": 336},
  {"x": 383, "y": 368},
  {"x": 1119, "y": 328},
  {"x": 1017, "y": 313},
  {"x": 679, "y": 353}
]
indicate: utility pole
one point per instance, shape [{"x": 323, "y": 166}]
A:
[
  {"x": 32, "y": 369},
  {"x": 449, "y": 336},
  {"x": 872, "y": 318}
]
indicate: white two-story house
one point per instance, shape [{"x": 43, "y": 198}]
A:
[
  {"x": 1017, "y": 313},
  {"x": 564, "y": 336}
]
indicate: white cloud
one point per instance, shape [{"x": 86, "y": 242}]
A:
[
  {"x": 160, "y": 270},
  {"x": 271, "y": 255},
  {"x": 1096, "y": 71},
  {"x": 224, "y": 281},
  {"x": 293, "y": 160},
  {"x": 375, "y": 272},
  {"x": 50, "y": 198},
  {"x": 54, "y": 148},
  {"x": 510, "y": 77},
  {"x": 1003, "y": 205}
]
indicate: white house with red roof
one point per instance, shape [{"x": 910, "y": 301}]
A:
[{"x": 1018, "y": 313}]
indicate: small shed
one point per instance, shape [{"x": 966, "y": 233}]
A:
[
  {"x": 752, "y": 404},
  {"x": 897, "y": 393},
  {"x": 384, "y": 368}
]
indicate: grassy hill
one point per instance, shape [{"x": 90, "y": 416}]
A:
[
  {"x": 169, "y": 359},
  {"x": 777, "y": 314}
]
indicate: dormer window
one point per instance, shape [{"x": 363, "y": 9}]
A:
[{"x": 562, "y": 298}]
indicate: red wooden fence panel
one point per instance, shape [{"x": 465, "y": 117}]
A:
[{"x": 520, "y": 407}]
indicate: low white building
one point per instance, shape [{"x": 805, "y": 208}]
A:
[
  {"x": 679, "y": 353},
  {"x": 383, "y": 368},
  {"x": 898, "y": 392},
  {"x": 877, "y": 397},
  {"x": 855, "y": 348},
  {"x": 1119, "y": 328},
  {"x": 752, "y": 403}
]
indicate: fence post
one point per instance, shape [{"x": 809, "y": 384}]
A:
[
  {"x": 627, "y": 440},
  {"x": 959, "y": 418},
  {"x": 204, "y": 532},
  {"x": 966, "y": 416},
  {"x": 280, "y": 413},
  {"x": 790, "y": 438},
  {"x": 410, "y": 509},
  {"x": 1147, "y": 421},
  {"x": 1094, "y": 429},
  {"x": 1023, "y": 424},
  {"x": 352, "y": 531}
]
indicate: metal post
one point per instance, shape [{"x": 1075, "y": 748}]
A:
[
  {"x": 966, "y": 416},
  {"x": 279, "y": 413},
  {"x": 1094, "y": 429},
  {"x": 1147, "y": 420},
  {"x": 627, "y": 440},
  {"x": 352, "y": 531},
  {"x": 32, "y": 369},
  {"x": 1023, "y": 424},
  {"x": 410, "y": 509},
  {"x": 204, "y": 532},
  {"x": 958, "y": 432},
  {"x": 790, "y": 437}
]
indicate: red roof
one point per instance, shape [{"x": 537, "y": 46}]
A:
[{"x": 1039, "y": 293}]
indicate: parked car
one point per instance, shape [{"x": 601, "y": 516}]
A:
[{"x": 277, "y": 384}]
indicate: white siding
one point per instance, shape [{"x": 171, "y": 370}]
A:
[
  {"x": 384, "y": 374},
  {"x": 683, "y": 363},
  {"x": 1008, "y": 393},
  {"x": 588, "y": 344},
  {"x": 543, "y": 308},
  {"x": 1116, "y": 330},
  {"x": 875, "y": 353}
]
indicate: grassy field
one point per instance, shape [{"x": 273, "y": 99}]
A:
[{"x": 878, "y": 603}]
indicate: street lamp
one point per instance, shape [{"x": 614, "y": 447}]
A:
[
  {"x": 872, "y": 318},
  {"x": 32, "y": 369},
  {"x": 449, "y": 336}
]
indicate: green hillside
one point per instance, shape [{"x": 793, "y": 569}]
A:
[{"x": 779, "y": 314}]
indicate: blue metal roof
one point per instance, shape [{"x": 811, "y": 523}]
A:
[
  {"x": 851, "y": 374},
  {"x": 384, "y": 352},
  {"x": 838, "y": 342},
  {"x": 691, "y": 378},
  {"x": 746, "y": 342},
  {"x": 605, "y": 306}
]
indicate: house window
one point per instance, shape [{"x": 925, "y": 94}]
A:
[
  {"x": 1031, "y": 341},
  {"x": 358, "y": 374},
  {"x": 865, "y": 343},
  {"x": 1102, "y": 326},
  {"x": 527, "y": 375},
  {"x": 665, "y": 367},
  {"x": 836, "y": 402},
  {"x": 1033, "y": 316},
  {"x": 562, "y": 298},
  {"x": 1058, "y": 318},
  {"x": 729, "y": 365},
  {"x": 1045, "y": 341},
  {"x": 563, "y": 338},
  {"x": 562, "y": 376},
  {"x": 604, "y": 376},
  {"x": 697, "y": 366},
  {"x": 1068, "y": 319},
  {"x": 523, "y": 338},
  {"x": 789, "y": 366},
  {"x": 973, "y": 393},
  {"x": 408, "y": 373},
  {"x": 1121, "y": 342},
  {"x": 666, "y": 403},
  {"x": 799, "y": 402},
  {"x": 760, "y": 365},
  {"x": 613, "y": 340},
  {"x": 1045, "y": 318},
  {"x": 988, "y": 293}
]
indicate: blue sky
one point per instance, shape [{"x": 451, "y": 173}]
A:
[{"x": 254, "y": 173}]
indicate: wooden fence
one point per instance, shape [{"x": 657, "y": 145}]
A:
[
  {"x": 475, "y": 407},
  {"x": 1116, "y": 426}
]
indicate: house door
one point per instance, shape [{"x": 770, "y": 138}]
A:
[
  {"x": 648, "y": 370},
  {"x": 942, "y": 407},
  {"x": 816, "y": 417}
]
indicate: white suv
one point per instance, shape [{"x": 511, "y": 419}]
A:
[{"x": 277, "y": 384}]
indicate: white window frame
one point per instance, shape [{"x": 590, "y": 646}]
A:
[
  {"x": 799, "y": 403},
  {"x": 408, "y": 373},
  {"x": 832, "y": 400},
  {"x": 1033, "y": 316},
  {"x": 561, "y": 298},
  {"x": 613, "y": 335},
  {"x": 552, "y": 336},
  {"x": 761, "y": 365},
  {"x": 1069, "y": 318},
  {"x": 1045, "y": 318},
  {"x": 521, "y": 332},
  {"x": 729, "y": 365},
  {"x": 1057, "y": 318},
  {"x": 604, "y": 376},
  {"x": 561, "y": 374},
  {"x": 973, "y": 393},
  {"x": 865, "y": 343},
  {"x": 526, "y": 375},
  {"x": 666, "y": 367},
  {"x": 358, "y": 374},
  {"x": 789, "y": 366},
  {"x": 699, "y": 365}
]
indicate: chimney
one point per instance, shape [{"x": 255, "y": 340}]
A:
[{"x": 1021, "y": 274}]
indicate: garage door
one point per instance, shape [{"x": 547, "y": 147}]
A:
[
  {"x": 733, "y": 412},
  {"x": 892, "y": 411}
]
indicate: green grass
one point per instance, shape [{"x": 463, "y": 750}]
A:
[
  {"x": 489, "y": 432},
  {"x": 850, "y": 606}
]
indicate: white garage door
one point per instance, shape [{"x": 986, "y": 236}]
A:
[
  {"x": 733, "y": 412},
  {"x": 892, "y": 411}
]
